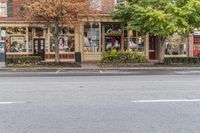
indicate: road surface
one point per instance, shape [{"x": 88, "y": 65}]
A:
[{"x": 142, "y": 103}]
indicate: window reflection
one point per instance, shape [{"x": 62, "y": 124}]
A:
[
  {"x": 66, "y": 40},
  {"x": 136, "y": 42},
  {"x": 175, "y": 45},
  {"x": 91, "y": 37}
]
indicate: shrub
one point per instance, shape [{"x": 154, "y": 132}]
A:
[
  {"x": 181, "y": 60},
  {"x": 23, "y": 59},
  {"x": 115, "y": 56}
]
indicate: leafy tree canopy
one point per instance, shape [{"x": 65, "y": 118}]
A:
[{"x": 160, "y": 17}]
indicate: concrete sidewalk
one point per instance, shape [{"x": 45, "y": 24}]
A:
[{"x": 92, "y": 67}]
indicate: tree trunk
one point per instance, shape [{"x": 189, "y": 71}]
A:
[
  {"x": 162, "y": 49},
  {"x": 56, "y": 35}
]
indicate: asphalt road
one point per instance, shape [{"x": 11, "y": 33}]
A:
[{"x": 100, "y": 104}]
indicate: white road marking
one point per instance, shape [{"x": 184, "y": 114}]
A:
[
  {"x": 100, "y": 71},
  {"x": 3, "y": 103},
  {"x": 58, "y": 71},
  {"x": 166, "y": 101},
  {"x": 187, "y": 72}
]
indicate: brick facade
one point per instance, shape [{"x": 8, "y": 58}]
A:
[{"x": 107, "y": 7}]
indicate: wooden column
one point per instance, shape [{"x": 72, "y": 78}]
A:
[
  {"x": 77, "y": 38},
  {"x": 190, "y": 45},
  {"x": 103, "y": 38},
  {"x": 49, "y": 39},
  {"x": 146, "y": 45},
  {"x": 91, "y": 34},
  {"x": 26, "y": 38},
  {"x": 122, "y": 40},
  {"x": 100, "y": 45}
]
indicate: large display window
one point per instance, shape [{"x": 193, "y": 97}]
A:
[
  {"x": 17, "y": 44},
  {"x": 113, "y": 34},
  {"x": 91, "y": 37},
  {"x": 176, "y": 45},
  {"x": 30, "y": 39},
  {"x": 15, "y": 39},
  {"x": 66, "y": 40},
  {"x": 136, "y": 41}
]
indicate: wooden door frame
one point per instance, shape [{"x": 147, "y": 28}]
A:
[
  {"x": 155, "y": 47},
  {"x": 39, "y": 47}
]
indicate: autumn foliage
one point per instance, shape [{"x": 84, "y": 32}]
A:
[
  {"x": 56, "y": 13},
  {"x": 56, "y": 10}
]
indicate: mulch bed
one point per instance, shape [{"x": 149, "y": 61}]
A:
[{"x": 47, "y": 64}]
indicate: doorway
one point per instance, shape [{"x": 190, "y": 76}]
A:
[
  {"x": 39, "y": 47},
  {"x": 152, "y": 48}
]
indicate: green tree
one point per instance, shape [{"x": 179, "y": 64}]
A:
[{"x": 161, "y": 18}]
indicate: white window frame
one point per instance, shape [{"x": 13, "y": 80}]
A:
[{"x": 3, "y": 9}]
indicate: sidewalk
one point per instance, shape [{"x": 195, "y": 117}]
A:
[{"x": 92, "y": 67}]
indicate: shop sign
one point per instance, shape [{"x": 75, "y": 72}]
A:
[
  {"x": 3, "y": 33},
  {"x": 38, "y": 25},
  {"x": 196, "y": 33}
]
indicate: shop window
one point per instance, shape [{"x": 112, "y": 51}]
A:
[
  {"x": 113, "y": 30},
  {"x": 113, "y": 34},
  {"x": 113, "y": 42},
  {"x": 15, "y": 39},
  {"x": 39, "y": 32},
  {"x": 10, "y": 30},
  {"x": 30, "y": 39},
  {"x": 19, "y": 30},
  {"x": 66, "y": 43},
  {"x": 66, "y": 40},
  {"x": 175, "y": 45},
  {"x": 66, "y": 31},
  {"x": 52, "y": 44},
  {"x": 108, "y": 27},
  {"x": 136, "y": 42},
  {"x": 91, "y": 37},
  {"x": 196, "y": 45},
  {"x": 95, "y": 37},
  {"x": 87, "y": 37},
  {"x": 16, "y": 30},
  {"x": 17, "y": 44}
]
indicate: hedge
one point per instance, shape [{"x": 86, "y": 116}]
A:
[
  {"x": 23, "y": 60},
  {"x": 114, "y": 56},
  {"x": 181, "y": 60}
]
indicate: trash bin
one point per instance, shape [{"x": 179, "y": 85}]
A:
[{"x": 78, "y": 57}]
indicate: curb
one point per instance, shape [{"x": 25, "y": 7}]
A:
[{"x": 122, "y": 69}]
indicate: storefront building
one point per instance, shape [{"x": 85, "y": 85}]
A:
[{"x": 92, "y": 35}]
